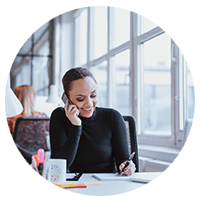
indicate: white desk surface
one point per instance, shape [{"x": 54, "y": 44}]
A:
[{"x": 108, "y": 187}]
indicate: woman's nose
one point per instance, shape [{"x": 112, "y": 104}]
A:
[{"x": 89, "y": 102}]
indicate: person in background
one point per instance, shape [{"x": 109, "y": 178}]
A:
[{"x": 26, "y": 95}]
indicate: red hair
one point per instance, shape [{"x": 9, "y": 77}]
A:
[{"x": 26, "y": 95}]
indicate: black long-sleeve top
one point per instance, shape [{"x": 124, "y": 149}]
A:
[{"x": 98, "y": 145}]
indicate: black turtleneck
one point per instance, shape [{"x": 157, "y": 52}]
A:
[{"x": 98, "y": 145}]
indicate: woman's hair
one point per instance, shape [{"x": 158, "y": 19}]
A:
[
  {"x": 26, "y": 95},
  {"x": 75, "y": 74}
]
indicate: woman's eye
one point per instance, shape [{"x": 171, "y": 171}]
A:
[{"x": 80, "y": 99}]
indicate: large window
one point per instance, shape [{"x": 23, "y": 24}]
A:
[{"x": 138, "y": 70}]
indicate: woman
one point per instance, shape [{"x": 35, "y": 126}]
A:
[
  {"x": 90, "y": 138},
  {"x": 26, "y": 95}
]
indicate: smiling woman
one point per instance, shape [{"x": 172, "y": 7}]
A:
[
  {"x": 81, "y": 88},
  {"x": 90, "y": 138}
]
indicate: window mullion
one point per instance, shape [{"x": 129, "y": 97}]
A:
[
  {"x": 109, "y": 59},
  {"x": 90, "y": 36},
  {"x": 174, "y": 91}
]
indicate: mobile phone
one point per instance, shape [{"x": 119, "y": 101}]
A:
[{"x": 64, "y": 97}]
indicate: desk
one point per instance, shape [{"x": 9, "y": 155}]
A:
[{"x": 108, "y": 187}]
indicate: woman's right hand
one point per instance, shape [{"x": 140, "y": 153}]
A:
[
  {"x": 129, "y": 170},
  {"x": 72, "y": 113}
]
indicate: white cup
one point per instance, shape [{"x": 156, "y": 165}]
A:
[{"x": 57, "y": 170}]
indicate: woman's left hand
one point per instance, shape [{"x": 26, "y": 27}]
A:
[{"x": 129, "y": 170}]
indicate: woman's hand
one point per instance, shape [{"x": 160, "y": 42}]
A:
[
  {"x": 129, "y": 170},
  {"x": 72, "y": 113}
]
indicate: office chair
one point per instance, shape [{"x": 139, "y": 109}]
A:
[
  {"x": 27, "y": 156},
  {"x": 30, "y": 133},
  {"x": 132, "y": 139}
]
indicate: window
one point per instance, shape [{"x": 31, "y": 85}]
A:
[
  {"x": 190, "y": 94},
  {"x": 100, "y": 74},
  {"x": 156, "y": 79},
  {"x": 100, "y": 31},
  {"x": 186, "y": 92},
  {"x": 33, "y": 66},
  {"x": 40, "y": 76},
  {"x": 23, "y": 77},
  {"x": 81, "y": 38},
  {"x": 121, "y": 82},
  {"x": 121, "y": 26},
  {"x": 137, "y": 71},
  {"x": 146, "y": 25}
]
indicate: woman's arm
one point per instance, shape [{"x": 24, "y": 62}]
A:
[{"x": 63, "y": 144}]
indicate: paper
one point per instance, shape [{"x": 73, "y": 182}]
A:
[
  {"x": 144, "y": 177},
  {"x": 136, "y": 177},
  {"x": 110, "y": 177},
  {"x": 71, "y": 185}
]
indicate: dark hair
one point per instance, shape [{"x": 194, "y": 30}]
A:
[{"x": 75, "y": 74}]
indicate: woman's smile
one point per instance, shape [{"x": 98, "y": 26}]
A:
[{"x": 87, "y": 109}]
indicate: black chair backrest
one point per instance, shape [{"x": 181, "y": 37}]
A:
[
  {"x": 132, "y": 137},
  {"x": 30, "y": 133}
]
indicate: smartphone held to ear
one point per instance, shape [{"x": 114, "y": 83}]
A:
[{"x": 64, "y": 98}]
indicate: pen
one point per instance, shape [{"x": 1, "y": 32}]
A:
[{"x": 127, "y": 163}]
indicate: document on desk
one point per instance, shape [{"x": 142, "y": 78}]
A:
[
  {"x": 144, "y": 177},
  {"x": 110, "y": 177}
]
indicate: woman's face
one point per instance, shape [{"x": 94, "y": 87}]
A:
[{"x": 84, "y": 95}]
